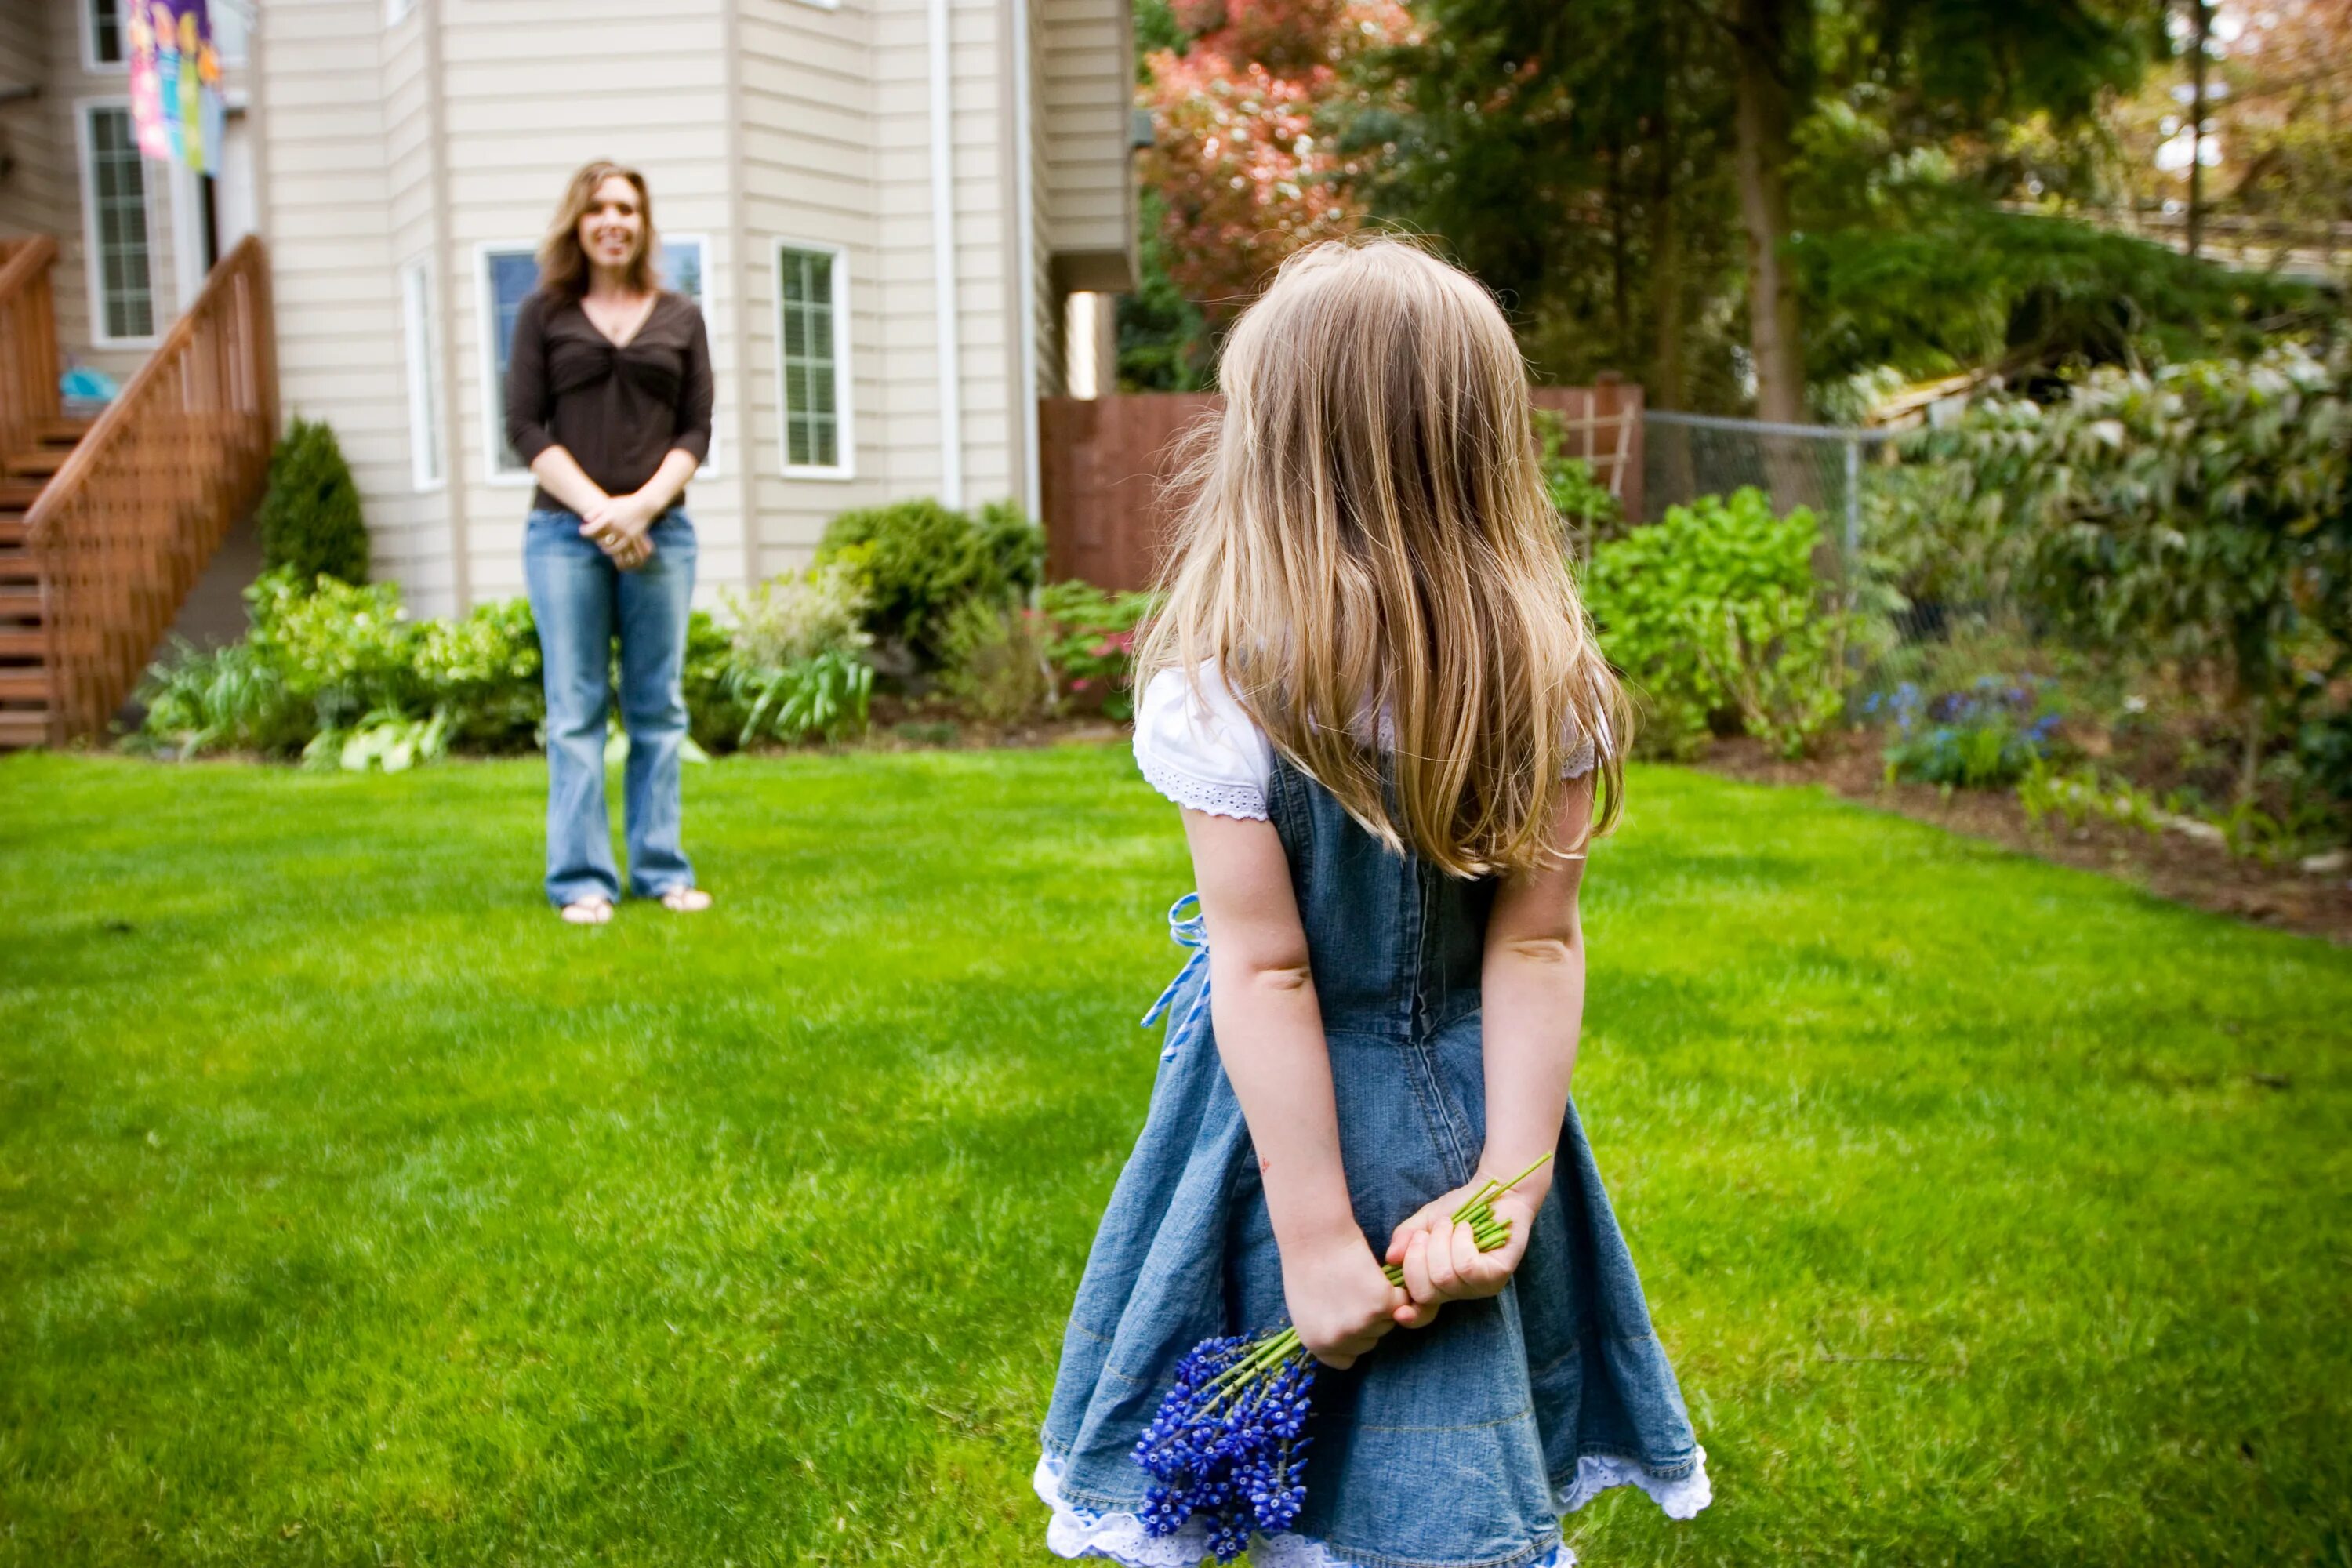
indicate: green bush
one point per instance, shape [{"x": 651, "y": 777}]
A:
[
  {"x": 482, "y": 675},
  {"x": 350, "y": 650},
  {"x": 799, "y": 616},
  {"x": 922, "y": 560},
  {"x": 1583, "y": 502},
  {"x": 1715, "y": 616},
  {"x": 2198, "y": 516},
  {"x": 309, "y": 518},
  {"x": 1090, "y": 645},
  {"x": 225, "y": 699},
  {"x": 995, "y": 667}
]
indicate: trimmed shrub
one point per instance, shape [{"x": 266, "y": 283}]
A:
[
  {"x": 1715, "y": 616},
  {"x": 309, "y": 518},
  {"x": 922, "y": 560}
]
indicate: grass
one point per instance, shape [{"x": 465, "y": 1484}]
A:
[{"x": 353, "y": 1210}]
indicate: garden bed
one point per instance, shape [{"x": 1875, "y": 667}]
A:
[{"x": 2169, "y": 864}]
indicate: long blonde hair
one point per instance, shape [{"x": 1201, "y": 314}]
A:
[
  {"x": 1369, "y": 543},
  {"x": 563, "y": 266}
]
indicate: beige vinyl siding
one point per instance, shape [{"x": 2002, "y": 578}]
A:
[
  {"x": 1085, "y": 95},
  {"x": 325, "y": 215},
  {"x": 38, "y": 195},
  {"x": 807, "y": 134},
  {"x": 411, "y": 530}
]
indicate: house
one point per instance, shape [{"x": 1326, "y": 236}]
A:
[{"x": 893, "y": 213}]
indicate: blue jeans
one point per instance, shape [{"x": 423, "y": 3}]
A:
[{"x": 580, "y": 600}]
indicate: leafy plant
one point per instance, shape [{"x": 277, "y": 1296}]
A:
[
  {"x": 391, "y": 741},
  {"x": 922, "y": 560},
  {"x": 483, "y": 674},
  {"x": 201, "y": 700},
  {"x": 2200, "y": 514},
  {"x": 2086, "y": 794},
  {"x": 309, "y": 519},
  {"x": 1090, "y": 643},
  {"x": 800, "y": 615},
  {"x": 825, "y": 696},
  {"x": 996, "y": 662},
  {"x": 351, "y": 650},
  {"x": 1579, "y": 497},
  {"x": 1986, "y": 736},
  {"x": 1713, "y": 613}
]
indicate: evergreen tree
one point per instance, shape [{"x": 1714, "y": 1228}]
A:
[{"x": 310, "y": 517}]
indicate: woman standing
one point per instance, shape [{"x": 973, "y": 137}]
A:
[{"x": 608, "y": 399}]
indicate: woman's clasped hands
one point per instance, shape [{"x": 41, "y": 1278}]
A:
[{"x": 617, "y": 525}]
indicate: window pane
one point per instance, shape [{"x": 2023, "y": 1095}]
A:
[
  {"x": 805, "y": 344},
  {"x": 106, "y": 31},
  {"x": 118, "y": 200},
  {"x": 513, "y": 275}
]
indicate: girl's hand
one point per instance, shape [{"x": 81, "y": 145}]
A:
[
  {"x": 1340, "y": 1302},
  {"x": 1441, "y": 1258}
]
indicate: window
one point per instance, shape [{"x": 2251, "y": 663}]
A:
[
  {"x": 114, "y": 202},
  {"x": 812, "y": 356},
  {"x": 424, "y": 376},
  {"x": 393, "y": 10},
  {"x": 101, "y": 33},
  {"x": 510, "y": 272}
]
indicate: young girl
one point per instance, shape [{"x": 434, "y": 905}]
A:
[{"x": 1374, "y": 693}]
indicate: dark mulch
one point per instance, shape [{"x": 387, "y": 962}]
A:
[{"x": 2169, "y": 864}]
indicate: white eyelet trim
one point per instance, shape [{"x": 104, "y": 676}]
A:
[
  {"x": 1077, "y": 1531},
  {"x": 1237, "y": 801},
  {"x": 1596, "y": 1473}
]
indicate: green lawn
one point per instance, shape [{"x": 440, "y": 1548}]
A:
[{"x": 353, "y": 1210}]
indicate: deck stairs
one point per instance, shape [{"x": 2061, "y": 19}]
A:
[{"x": 27, "y": 702}]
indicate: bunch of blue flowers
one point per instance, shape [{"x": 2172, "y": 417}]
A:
[{"x": 1229, "y": 1441}]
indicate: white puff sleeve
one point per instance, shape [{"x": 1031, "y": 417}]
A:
[{"x": 1197, "y": 747}]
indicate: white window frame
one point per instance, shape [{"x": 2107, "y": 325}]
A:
[
  {"x": 493, "y": 395},
  {"x": 844, "y": 423},
  {"x": 93, "y": 257},
  {"x": 429, "y": 464},
  {"x": 86, "y": 27},
  {"x": 247, "y": 18},
  {"x": 397, "y": 11}
]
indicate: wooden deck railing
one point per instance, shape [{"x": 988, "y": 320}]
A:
[
  {"x": 28, "y": 342},
  {"x": 137, "y": 511}
]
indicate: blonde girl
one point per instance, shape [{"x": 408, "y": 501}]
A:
[{"x": 1376, "y": 698}]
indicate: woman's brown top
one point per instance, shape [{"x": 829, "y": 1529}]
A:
[{"x": 618, "y": 410}]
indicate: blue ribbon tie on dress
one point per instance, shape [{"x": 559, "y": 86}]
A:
[{"x": 1185, "y": 930}]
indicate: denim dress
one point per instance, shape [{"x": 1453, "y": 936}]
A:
[{"x": 1454, "y": 1445}]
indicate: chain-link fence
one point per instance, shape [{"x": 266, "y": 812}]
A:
[{"x": 1823, "y": 466}]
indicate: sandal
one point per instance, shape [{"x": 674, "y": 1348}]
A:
[
  {"x": 686, "y": 900},
  {"x": 592, "y": 910}
]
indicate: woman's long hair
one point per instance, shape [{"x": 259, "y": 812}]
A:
[
  {"x": 1370, "y": 554},
  {"x": 563, "y": 266}
]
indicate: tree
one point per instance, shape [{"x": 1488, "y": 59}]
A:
[
  {"x": 309, "y": 514},
  {"x": 1242, "y": 161},
  {"x": 1568, "y": 121}
]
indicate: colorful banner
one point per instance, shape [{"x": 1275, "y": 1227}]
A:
[{"x": 175, "y": 81}]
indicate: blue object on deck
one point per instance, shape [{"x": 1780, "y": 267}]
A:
[{"x": 84, "y": 385}]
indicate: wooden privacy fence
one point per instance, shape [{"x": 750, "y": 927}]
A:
[
  {"x": 132, "y": 517},
  {"x": 1107, "y": 462}
]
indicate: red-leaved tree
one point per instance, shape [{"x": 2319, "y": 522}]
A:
[{"x": 1242, "y": 160}]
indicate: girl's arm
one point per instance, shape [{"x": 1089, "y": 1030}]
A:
[
  {"x": 1269, "y": 1030},
  {"x": 1532, "y": 979}
]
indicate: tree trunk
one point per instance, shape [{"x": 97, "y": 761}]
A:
[
  {"x": 1620, "y": 311},
  {"x": 1762, "y": 30},
  {"x": 2200, "y": 29},
  {"x": 1665, "y": 250}
]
